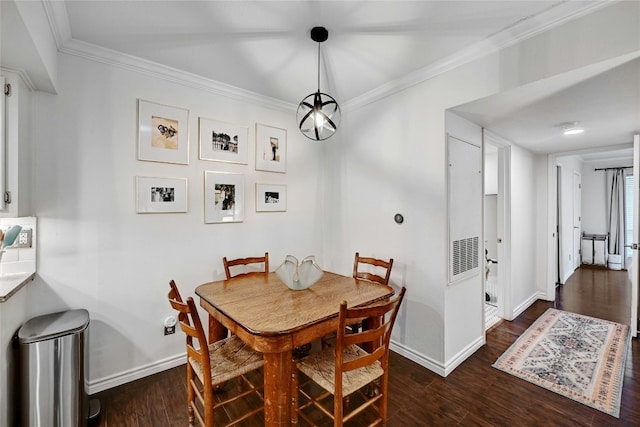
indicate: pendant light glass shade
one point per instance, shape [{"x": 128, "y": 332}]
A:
[{"x": 318, "y": 114}]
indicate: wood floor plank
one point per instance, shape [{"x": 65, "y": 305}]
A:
[{"x": 474, "y": 394}]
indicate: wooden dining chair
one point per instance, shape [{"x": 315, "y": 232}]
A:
[
  {"x": 372, "y": 269},
  {"x": 348, "y": 368},
  {"x": 215, "y": 363},
  {"x": 244, "y": 262}
]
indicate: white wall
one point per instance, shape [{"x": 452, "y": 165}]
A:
[
  {"x": 388, "y": 157},
  {"x": 525, "y": 287},
  {"x": 97, "y": 253}
]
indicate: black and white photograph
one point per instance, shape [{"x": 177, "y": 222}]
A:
[
  {"x": 271, "y": 149},
  {"x": 223, "y": 142},
  {"x": 161, "y": 195},
  {"x": 223, "y": 197},
  {"x": 271, "y": 198}
]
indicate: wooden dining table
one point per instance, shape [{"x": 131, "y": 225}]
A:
[{"x": 273, "y": 319}]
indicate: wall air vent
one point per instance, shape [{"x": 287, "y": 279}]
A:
[{"x": 465, "y": 255}]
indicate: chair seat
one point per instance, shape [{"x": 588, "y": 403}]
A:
[
  {"x": 230, "y": 357},
  {"x": 321, "y": 368}
]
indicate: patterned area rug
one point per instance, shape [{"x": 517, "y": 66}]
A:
[{"x": 576, "y": 356}]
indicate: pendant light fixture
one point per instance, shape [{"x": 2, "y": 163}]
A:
[{"x": 318, "y": 114}]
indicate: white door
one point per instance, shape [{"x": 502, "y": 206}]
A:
[
  {"x": 635, "y": 261},
  {"x": 577, "y": 217}
]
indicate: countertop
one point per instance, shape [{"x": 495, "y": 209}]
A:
[{"x": 11, "y": 283}]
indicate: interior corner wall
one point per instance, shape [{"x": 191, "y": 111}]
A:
[{"x": 97, "y": 253}]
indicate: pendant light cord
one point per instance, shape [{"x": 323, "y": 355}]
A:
[{"x": 318, "y": 67}]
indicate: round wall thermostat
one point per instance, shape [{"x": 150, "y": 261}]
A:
[
  {"x": 170, "y": 322},
  {"x": 398, "y": 218}
]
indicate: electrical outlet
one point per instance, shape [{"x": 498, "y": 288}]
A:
[
  {"x": 168, "y": 330},
  {"x": 23, "y": 240}
]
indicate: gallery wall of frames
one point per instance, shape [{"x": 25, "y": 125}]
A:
[{"x": 163, "y": 137}]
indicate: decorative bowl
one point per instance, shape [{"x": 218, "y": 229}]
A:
[{"x": 299, "y": 276}]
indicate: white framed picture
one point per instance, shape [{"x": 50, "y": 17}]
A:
[
  {"x": 223, "y": 197},
  {"x": 163, "y": 133},
  {"x": 271, "y": 197},
  {"x": 271, "y": 148},
  {"x": 223, "y": 142},
  {"x": 161, "y": 195}
]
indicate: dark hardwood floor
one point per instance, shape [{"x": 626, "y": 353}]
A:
[{"x": 474, "y": 394}]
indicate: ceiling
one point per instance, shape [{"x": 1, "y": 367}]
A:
[
  {"x": 603, "y": 99},
  {"x": 263, "y": 47}
]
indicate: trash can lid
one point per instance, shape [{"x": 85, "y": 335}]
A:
[{"x": 53, "y": 325}]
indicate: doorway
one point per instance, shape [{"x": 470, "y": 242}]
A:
[
  {"x": 558, "y": 227},
  {"x": 565, "y": 195},
  {"x": 491, "y": 266},
  {"x": 496, "y": 216},
  {"x": 577, "y": 218}
]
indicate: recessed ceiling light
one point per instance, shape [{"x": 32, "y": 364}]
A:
[{"x": 571, "y": 128}]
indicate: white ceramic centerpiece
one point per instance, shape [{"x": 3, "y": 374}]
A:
[{"x": 299, "y": 276}]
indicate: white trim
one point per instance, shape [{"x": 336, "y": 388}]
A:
[
  {"x": 636, "y": 232},
  {"x": 552, "y": 219},
  {"x": 528, "y": 303},
  {"x": 419, "y": 358},
  {"x": 132, "y": 63},
  {"x": 504, "y": 220},
  {"x": 125, "y": 377},
  {"x": 22, "y": 74},
  {"x": 526, "y": 28},
  {"x": 463, "y": 355},
  {"x": 58, "y": 18}
]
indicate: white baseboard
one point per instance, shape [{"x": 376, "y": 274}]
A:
[
  {"x": 432, "y": 365},
  {"x": 115, "y": 380},
  {"x": 453, "y": 363},
  {"x": 419, "y": 358},
  {"x": 527, "y": 303}
]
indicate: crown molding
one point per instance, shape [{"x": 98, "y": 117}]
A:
[
  {"x": 522, "y": 30},
  {"x": 593, "y": 150},
  {"x": 132, "y": 63},
  {"x": 22, "y": 74},
  {"x": 56, "y": 12},
  {"x": 58, "y": 17}
]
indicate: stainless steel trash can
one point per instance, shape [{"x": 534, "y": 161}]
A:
[{"x": 53, "y": 359}]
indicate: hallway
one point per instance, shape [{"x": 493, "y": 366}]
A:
[{"x": 597, "y": 292}]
